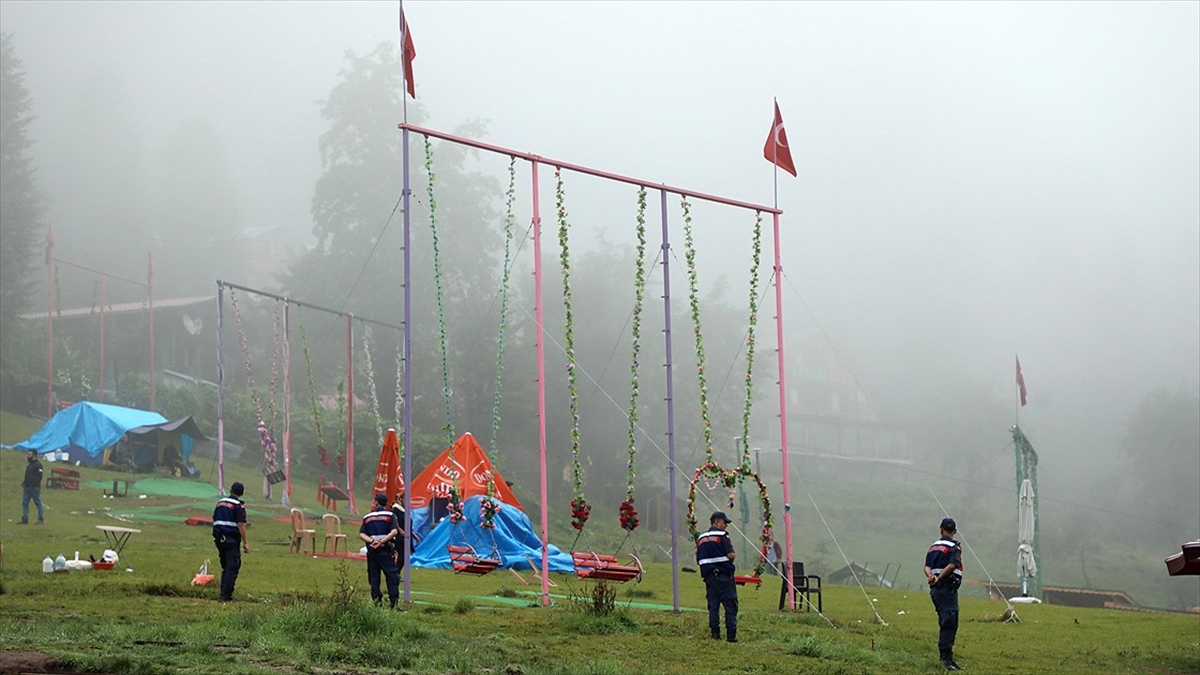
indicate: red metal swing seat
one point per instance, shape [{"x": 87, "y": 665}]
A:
[
  {"x": 590, "y": 565},
  {"x": 465, "y": 559}
]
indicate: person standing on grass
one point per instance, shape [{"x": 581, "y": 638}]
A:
[
  {"x": 943, "y": 569},
  {"x": 714, "y": 554},
  {"x": 31, "y": 488},
  {"x": 379, "y": 531},
  {"x": 229, "y": 534}
]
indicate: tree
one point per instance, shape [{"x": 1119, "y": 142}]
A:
[
  {"x": 1162, "y": 444},
  {"x": 22, "y": 206}
]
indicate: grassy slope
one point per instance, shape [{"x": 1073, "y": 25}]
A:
[{"x": 150, "y": 620}]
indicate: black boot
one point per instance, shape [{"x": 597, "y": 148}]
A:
[
  {"x": 948, "y": 659},
  {"x": 716, "y": 635},
  {"x": 732, "y": 636}
]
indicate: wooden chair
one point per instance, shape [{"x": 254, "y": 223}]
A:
[
  {"x": 333, "y": 530},
  {"x": 589, "y": 565},
  {"x": 464, "y": 559},
  {"x": 300, "y": 533}
]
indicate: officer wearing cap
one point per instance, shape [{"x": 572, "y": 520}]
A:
[
  {"x": 229, "y": 534},
  {"x": 944, "y": 570},
  {"x": 379, "y": 530},
  {"x": 714, "y": 554}
]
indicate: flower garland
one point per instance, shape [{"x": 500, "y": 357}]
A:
[
  {"x": 398, "y": 408},
  {"x": 342, "y": 430},
  {"x": 322, "y": 451},
  {"x": 237, "y": 318},
  {"x": 580, "y": 509},
  {"x": 268, "y": 446},
  {"x": 731, "y": 477},
  {"x": 489, "y": 507},
  {"x": 754, "y": 275},
  {"x": 370, "y": 368},
  {"x": 510, "y": 196},
  {"x": 628, "y": 514},
  {"x": 437, "y": 280},
  {"x": 455, "y": 507},
  {"x": 689, "y": 248},
  {"x": 274, "y": 373}
]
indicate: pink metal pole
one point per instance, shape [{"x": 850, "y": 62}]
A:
[
  {"x": 350, "y": 412},
  {"x": 102, "y": 338},
  {"x": 287, "y": 404},
  {"x": 541, "y": 383},
  {"x": 783, "y": 438},
  {"x": 150, "y": 292}
]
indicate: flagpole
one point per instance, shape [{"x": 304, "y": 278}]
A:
[
  {"x": 403, "y": 74},
  {"x": 774, "y": 155}
]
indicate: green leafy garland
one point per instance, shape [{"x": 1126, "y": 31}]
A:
[
  {"x": 370, "y": 368},
  {"x": 437, "y": 279},
  {"x": 689, "y": 248},
  {"x": 342, "y": 429},
  {"x": 398, "y": 408},
  {"x": 754, "y": 276},
  {"x": 322, "y": 450},
  {"x": 628, "y": 513},
  {"x": 509, "y": 222},
  {"x": 580, "y": 509}
]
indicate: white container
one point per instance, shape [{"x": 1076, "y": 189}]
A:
[
  {"x": 60, "y": 563},
  {"x": 47, "y": 565}
]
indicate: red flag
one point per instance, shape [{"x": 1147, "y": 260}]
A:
[
  {"x": 1020, "y": 382},
  {"x": 776, "y": 149},
  {"x": 409, "y": 53},
  {"x": 49, "y": 245}
]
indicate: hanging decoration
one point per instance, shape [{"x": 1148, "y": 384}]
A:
[
  {"x": 370, "y": 368},
  {"x": 342, "y": 430},
  {"x": 509, "y": 222},
  {"x": 322, "y": 450},
  {"x": 756, "y": 259},
  {"x": 580, "y": 509},
  {"x": 628, "y": 512},
  {"x": 489, "y": 507},
  {"x": 437, "y": 279}
]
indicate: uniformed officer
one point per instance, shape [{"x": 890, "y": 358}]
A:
[
  {"x": 379, "y": 531},
  {"x": 229, "y": 534},
  {"x": 944, "y": 570},
  {"x": 714, "y": 554}
]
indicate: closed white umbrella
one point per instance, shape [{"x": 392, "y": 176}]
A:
[{"x": 1026, "y": 565}]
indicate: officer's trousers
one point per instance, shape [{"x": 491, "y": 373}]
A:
[
  {"x": 229, "y": 551},
  {"x": 383, "y": 559},
  {"x": 945, "y": 601},
  {"x": 720, "y": 589}
]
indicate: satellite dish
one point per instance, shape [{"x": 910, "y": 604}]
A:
[{"x": 193, "y": 326}]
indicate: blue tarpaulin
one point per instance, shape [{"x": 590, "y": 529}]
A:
[
  {"x": 511, "y": 541},
  {"x": 86, "y": 429}
]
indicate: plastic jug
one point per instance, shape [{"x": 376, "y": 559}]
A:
[
  {"x": 47, "y": 565},
  {"x": 60, "y": 563}
]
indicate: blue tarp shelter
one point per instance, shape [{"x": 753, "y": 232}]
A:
[
  {"x": 86, "y": 430},
  {"x": 514, "y": 539}
]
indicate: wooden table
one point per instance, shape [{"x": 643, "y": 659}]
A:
[{"x": 117, "y": 538}]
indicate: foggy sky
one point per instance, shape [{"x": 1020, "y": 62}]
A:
[{"x": 976, "y": 179}]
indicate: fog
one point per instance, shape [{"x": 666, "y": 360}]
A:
[{"x": 976, "y": 180}]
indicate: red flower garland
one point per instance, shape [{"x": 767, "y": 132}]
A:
[
  {"x": 629, "y": 516},
  {"x": 581, "y": 510}
]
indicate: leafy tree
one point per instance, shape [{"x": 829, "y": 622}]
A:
[
  {"x": 22, "y": 206},
  {"x": 1162, "y": 444}
]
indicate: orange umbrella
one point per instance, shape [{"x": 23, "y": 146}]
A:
[{"x": 387, "y": 475}]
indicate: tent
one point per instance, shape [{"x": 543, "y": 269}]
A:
[
  {"x": 512, "y": 541},
  {"x": 88, "y": 432},
  {"x": 432, "y": 486}
]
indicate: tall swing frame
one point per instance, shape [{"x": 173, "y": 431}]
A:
[{"x": 535, "y": 162}]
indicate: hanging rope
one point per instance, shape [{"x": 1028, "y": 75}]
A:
[
  {"x": 509, "y": 224},
  {"x": 370, "y": 368},
  {"x": 580, "y": 509},
  {"x": 271, "y": 414},
  {"x": 756, "y": 259},
  {"x": 312, "y": 398},
  {"x": 628, "y": 512},
  {"x": 342, "y": 427},
  {"x": 237, "y": 319},
  {"x": 399, "y": 404},
  {"x": 437, "y": 279}
]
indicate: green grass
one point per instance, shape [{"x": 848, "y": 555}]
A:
[{"x": 301, "y": 614}]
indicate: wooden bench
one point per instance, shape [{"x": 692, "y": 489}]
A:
[
  {"x": 63, "y": 478},
  {"x": 590, "y": 565},
  {"x": 329, "y": 494},
  {"x": 465, "y": 559}
]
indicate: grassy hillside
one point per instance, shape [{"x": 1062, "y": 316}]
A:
[{"x": 298, "y": 613}]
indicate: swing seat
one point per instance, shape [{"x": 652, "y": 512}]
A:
[
  {"x": 328, "y": 494},
  {"x": 591, "y": 565},
  {"x": 744, "y": 579},
  {"x": 465, "y": 559}
]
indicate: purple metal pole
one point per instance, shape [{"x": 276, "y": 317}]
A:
[
  {"x": 407, "y": 358},
  {"x": 783, "y": 438},
  {"x": 220, "y": 387},
  {"x": 541, "y": 384},
  {"x": 669, "y": 365}
]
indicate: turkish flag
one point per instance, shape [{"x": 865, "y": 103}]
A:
[
  {"x": 1020, "y": 382},
  {"x": 410, "y": 53},
  {"x": 776, "y": 149}
]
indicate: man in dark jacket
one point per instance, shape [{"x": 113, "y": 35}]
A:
[
  {"x": 714, "y": 554},
  {"x": 229, "y": 535},
  {"x": 944, "y": 570},
  {"x": 32, "y": 488}
]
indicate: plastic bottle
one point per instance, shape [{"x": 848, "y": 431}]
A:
[
  {"x": 60, "y": 563},
  {"x": 47, "y": 565}
]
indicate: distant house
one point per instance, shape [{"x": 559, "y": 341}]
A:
[{"x": 1061, "y": 595}]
